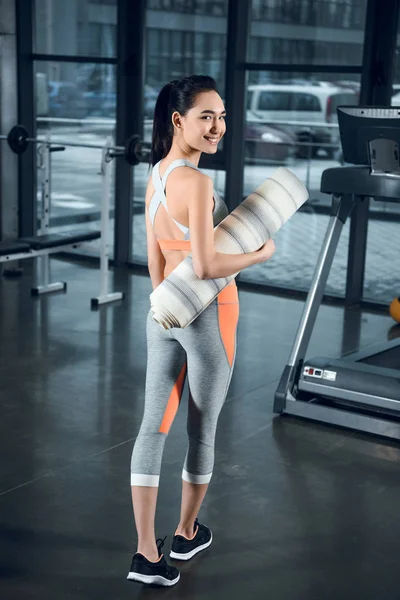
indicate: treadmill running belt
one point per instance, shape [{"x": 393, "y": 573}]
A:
[{"x": 390, "y": 359}]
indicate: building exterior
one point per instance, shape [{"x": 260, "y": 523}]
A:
[{"x": 188, "y": 36}]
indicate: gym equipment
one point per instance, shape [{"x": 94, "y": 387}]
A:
[
  {"x": 134, "y": 151},
  {"x": 394, "y": 309},
  {"x": 360, "y": 391},
  {"x": 17, "y": 139},
  {"x": 45, "y": 244},
  {"x": 182, "y": 296}
]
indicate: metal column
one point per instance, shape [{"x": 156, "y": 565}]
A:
[
  {"x": 238, "y": 32},
  {"x": 130, "y": 90},
  {"x": 26, "y": 90},
  {"x": 8, "y": 116}
]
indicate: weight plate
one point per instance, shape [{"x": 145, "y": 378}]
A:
[
  {"x": 143, "y": 151},
  {"x": 18, "y": 139},
  {"x": 130, "y": 150}
]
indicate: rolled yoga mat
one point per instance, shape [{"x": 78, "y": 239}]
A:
[{"x": 182, "y": 296}]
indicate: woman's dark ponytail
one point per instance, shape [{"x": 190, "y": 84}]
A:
[
  {"x": 163, "y": 130},
  {"x": 174, "y": 96}
]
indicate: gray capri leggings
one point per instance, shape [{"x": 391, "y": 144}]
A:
[{"x": 205, "y": 352}]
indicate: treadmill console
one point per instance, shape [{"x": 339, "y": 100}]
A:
[{"x": 371, "y": 136}]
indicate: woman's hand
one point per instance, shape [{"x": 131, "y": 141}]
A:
[{"x": 266, "y": 251}]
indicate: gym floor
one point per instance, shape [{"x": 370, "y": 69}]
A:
[{"x": 298, "y": 510}]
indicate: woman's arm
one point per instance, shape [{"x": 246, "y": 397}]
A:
[
  {"x": 155, "y": 258},
  {"x": 207, "y": 262}
]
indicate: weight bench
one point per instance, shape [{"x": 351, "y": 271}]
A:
[
  {"x": 43, "y": 245},
  {"x": 10, "y": 247}
]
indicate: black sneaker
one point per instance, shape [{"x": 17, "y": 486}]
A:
[
  {"x": 184, "y": 549},
  {"x": 153, "y": 573}
]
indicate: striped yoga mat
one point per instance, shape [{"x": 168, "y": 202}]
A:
[{"x": 182, "y": 296}]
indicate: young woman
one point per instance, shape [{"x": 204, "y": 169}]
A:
[{"x": 189, "y": 119}]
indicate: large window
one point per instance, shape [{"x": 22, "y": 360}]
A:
[
  {"x": 75, "y": 102},
  {"x": 289, "y": 50},
  {"x": 177, "y": 53},
  {"x": 349, "y": 14},
  {"x": 382, "y": 281},
  {"x": 312, "y": 53},
  {"x": 381, "y": 265},
  {"x": 216, "y": 8},
  {"x": 319, "y": 32},
  {"x": 189, "y": 38},
  {"x": 291, "y": 120},
  {"x": 76, "y": 27},
  {"x": 293, "y": 123}
]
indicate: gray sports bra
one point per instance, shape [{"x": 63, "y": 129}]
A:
[{"x": 220, "y": 209}]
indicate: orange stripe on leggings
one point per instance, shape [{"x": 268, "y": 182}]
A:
[
  {"x": 228, "y": 316},
  {"x": 173, "y": 402}
]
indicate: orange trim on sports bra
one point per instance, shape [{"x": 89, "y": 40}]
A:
[{"x": 174, "y": 244}]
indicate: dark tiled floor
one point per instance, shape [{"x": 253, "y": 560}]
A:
[{"x": 298, "y": 510}]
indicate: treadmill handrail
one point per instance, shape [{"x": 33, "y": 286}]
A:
[{"x": 320, "y": 277}]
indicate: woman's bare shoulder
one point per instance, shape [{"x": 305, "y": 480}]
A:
[
  {"x": 185, "y": 178},
  {"x": 183, "y": 182}
]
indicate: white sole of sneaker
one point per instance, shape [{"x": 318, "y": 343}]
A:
[
  {"x": 190, "y": 555},
  {"x": 152, "y": 579}
]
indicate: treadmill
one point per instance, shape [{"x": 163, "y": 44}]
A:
[{"x": 360, "y": 391}]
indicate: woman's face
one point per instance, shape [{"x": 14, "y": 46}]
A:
[{"x": 204, "y": 124}]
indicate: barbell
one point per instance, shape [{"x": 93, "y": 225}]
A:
[{"x": 134, "y": 151}]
